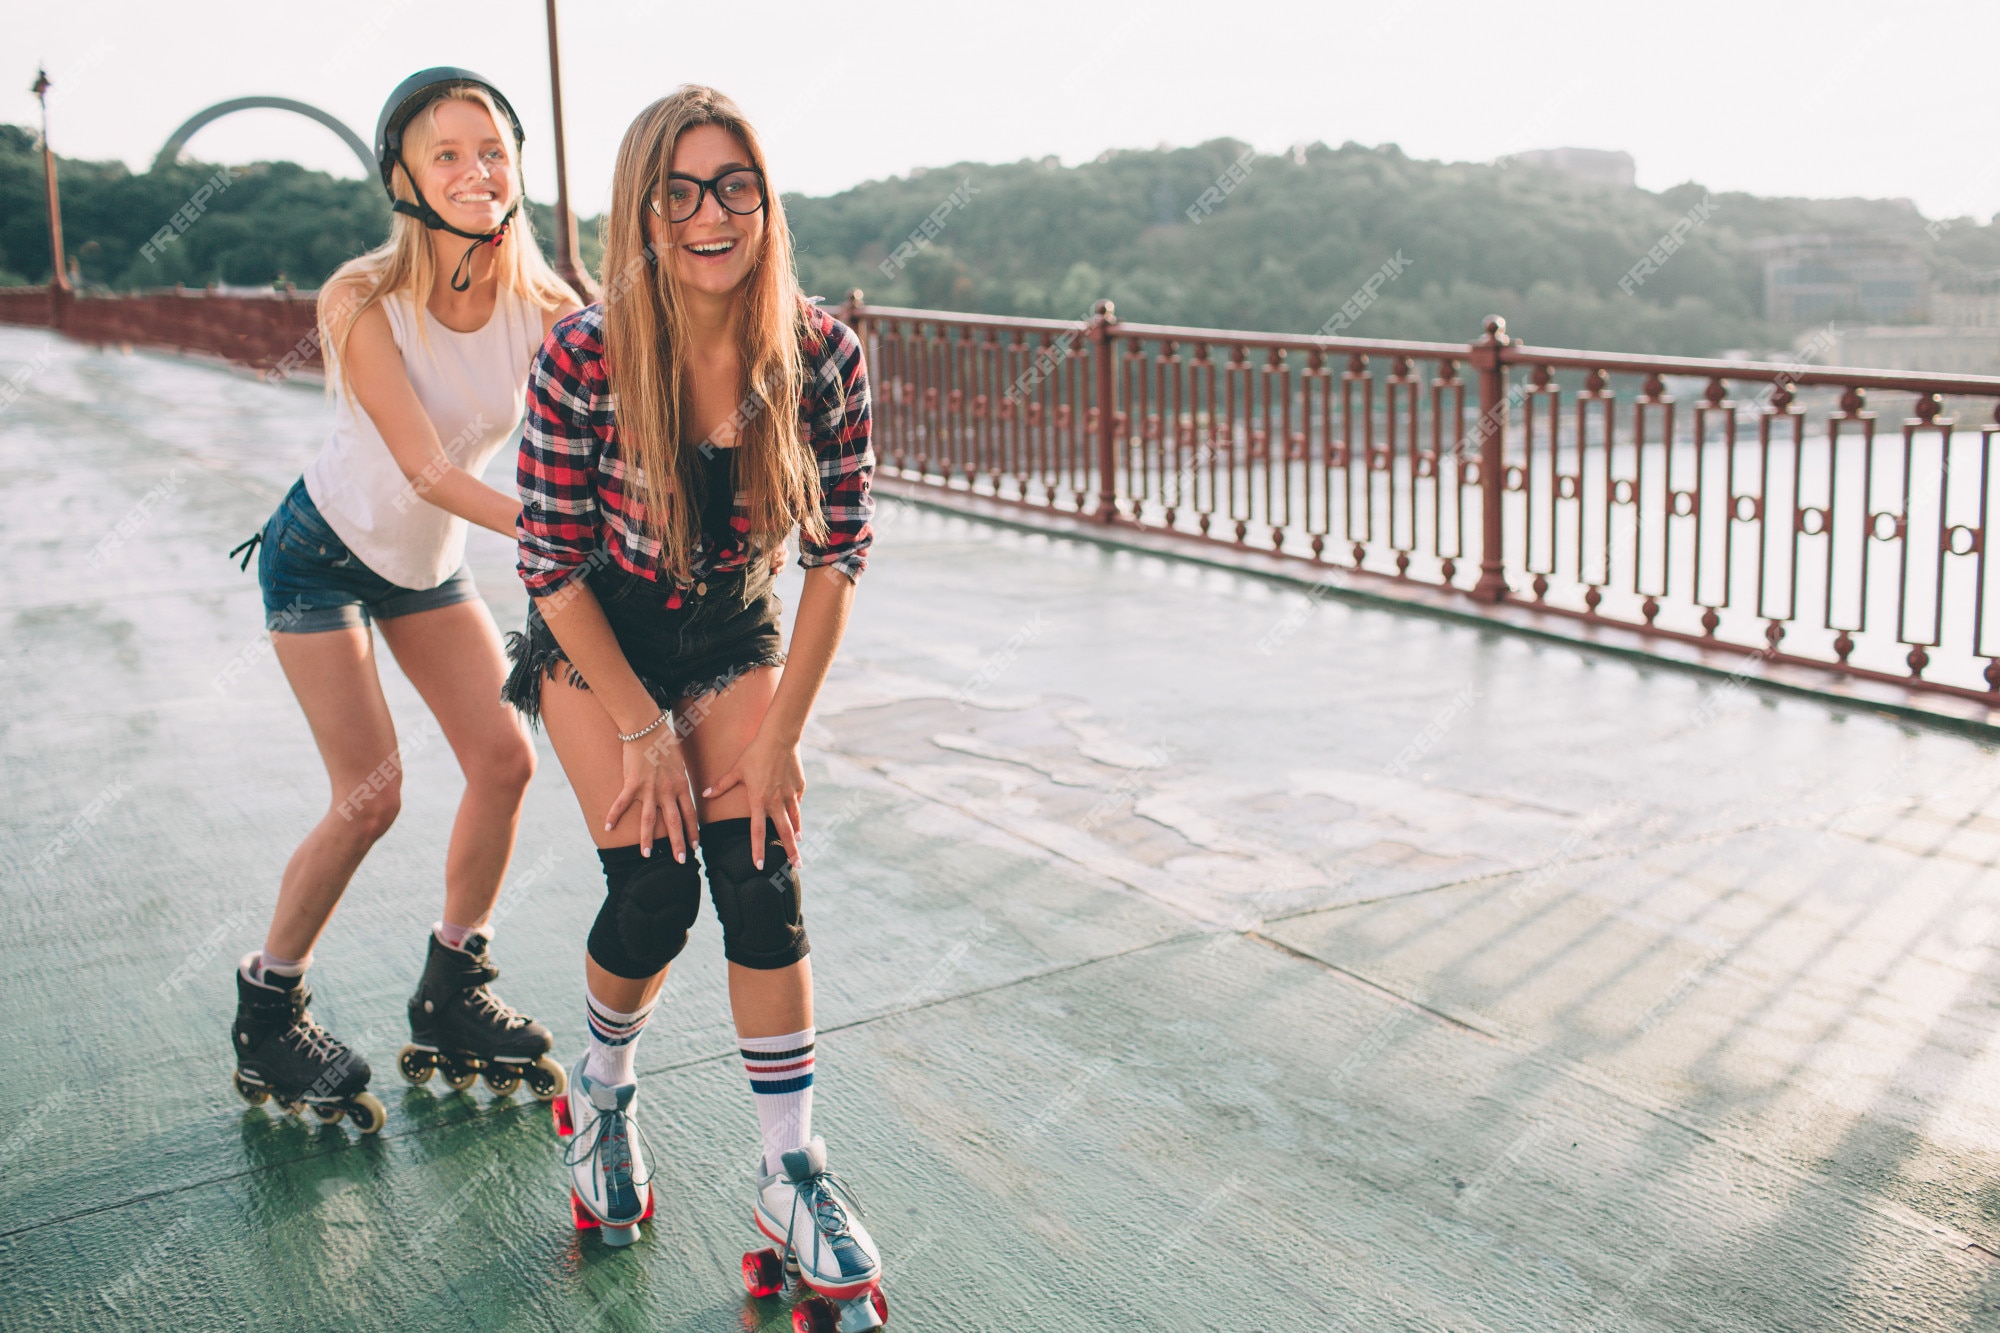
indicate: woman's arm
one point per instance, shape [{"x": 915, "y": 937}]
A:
[{"x": 372, "y": 366}]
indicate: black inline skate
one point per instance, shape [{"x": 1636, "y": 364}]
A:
[
  {"x": 281, "y": 1052},
  {"x": 460, "y": 1027}
]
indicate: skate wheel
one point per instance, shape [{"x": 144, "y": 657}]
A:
[
  {"x": 763, "y": 1273},
  {"x": 546, "y": 1079},
  {"x": 559, "y": 1112},
  {"x": 456, "y": 1075},
  {"x": 580, "y": 1214},
  {"x": 328, "y": 1114},
  {"x": 415, "y": 1065},
  {"x": 501, "y": 1081},
  {"x": 254, "y": 1093},
  {"x": 365, "y": 1109},
  {"x": 647, "y": 1216},
  {"x": 814, "y": 1314},
  {"x": 880, "y": 1302}
]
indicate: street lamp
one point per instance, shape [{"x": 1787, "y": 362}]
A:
[
  {"x": 60, "y": 281},
  {"x": 567, "y": 267}
]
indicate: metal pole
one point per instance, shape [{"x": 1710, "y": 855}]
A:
[
  {"x": 1103, "y": 317},
  {"x": 567, "y": 267},
  {"x": 59, "y": 288},
  {"x": 1492, "y": 585}
]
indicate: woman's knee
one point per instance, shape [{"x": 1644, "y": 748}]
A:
[
  {"x": 506, "y": 766},
  {"x": 369, "y": 809}
]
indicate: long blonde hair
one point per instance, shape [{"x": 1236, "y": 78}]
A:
[
  {"x": 646, "y": 342},
  {"x": 405, "y": 263}
]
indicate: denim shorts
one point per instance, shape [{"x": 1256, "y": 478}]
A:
[
  {"x": 312, "y": 583},
  {"x": 726, "y": 626}
]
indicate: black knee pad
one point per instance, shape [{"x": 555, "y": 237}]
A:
[
  {"x": 759, "y": 909},
  {"x": 650, "y": 906}
]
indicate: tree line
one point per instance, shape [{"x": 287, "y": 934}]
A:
[{"x": 1365, "y": 241}]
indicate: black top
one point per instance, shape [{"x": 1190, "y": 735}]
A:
[{"x": 716, "y": 496}]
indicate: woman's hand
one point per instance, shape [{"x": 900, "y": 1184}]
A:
[
  {"x": 772, "y": 777},
  {"x": 656, "y": 780}
]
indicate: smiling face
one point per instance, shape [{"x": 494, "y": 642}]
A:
[
  {"x": 461, "y": 164},
  {"x": 714, "y": 250}
]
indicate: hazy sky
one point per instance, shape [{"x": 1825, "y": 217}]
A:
[{"x": 1842, "y": 97}]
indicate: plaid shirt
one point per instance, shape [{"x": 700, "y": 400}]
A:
[{"x": 577, "y": 487}]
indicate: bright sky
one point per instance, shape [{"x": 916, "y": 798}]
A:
[{"x": 1838, "y": 97}]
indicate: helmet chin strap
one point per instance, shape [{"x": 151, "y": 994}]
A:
[{"x": 461, "y": 276}]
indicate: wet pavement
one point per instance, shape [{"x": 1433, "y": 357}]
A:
[{"x": 1192, "y": 954}]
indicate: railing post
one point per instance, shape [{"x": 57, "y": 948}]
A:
[
  {"x": 1492, "y": 585},
  {"x": 1102, "y": 317},
  {"x": 850, "y": 313}
]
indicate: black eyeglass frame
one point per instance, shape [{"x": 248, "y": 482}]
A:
[{"x": 704, "y": 188}]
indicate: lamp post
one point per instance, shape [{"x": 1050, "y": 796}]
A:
[
  {"x": 567, "y": 267},
  {"x": 59, "y": 288}
]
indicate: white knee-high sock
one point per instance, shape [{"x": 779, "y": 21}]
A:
[
  {"x": 781, "y": 1076},
  {"x": 614, "y": 1040}
]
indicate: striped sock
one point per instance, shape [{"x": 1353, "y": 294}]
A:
[
  {"x": 614, "y": 1040},
  {"x": 781, "y": 1074}
]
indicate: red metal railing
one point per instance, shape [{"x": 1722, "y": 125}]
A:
[
  {"x": 268, "y": 331},
  {"x": 1719, "y": 503}
]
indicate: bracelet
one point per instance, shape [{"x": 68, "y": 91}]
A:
[{"x": 643, "y": 731}]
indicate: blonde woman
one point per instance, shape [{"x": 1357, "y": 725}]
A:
[
  {"x": 676, "y": 436},
  {"x": 427, "y": 342}
]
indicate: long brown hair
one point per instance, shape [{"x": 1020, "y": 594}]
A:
[
  {"x": 646, "y": 341},
  {"x": 405, "y": 263}
]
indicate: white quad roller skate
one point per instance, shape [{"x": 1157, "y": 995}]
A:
[
  {"x": 610, "y": 1187},
  {"x": 812, "y": 1218}
]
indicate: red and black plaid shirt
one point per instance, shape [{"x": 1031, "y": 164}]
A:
[{"x": 577, "y": 496}]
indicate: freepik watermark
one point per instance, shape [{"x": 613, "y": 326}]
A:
[
  {"x": 1299, "y": 614},
  {"x": 189, "y": 213},
  {"x": 1225, "y": 185},
  {"x": 996, "y": 665},
  {"x": 202, "y": 954},
  {"x": 927, "y": 231},
  {"x": 17, "y": 383},
  {"x": 1046, "y": 359},
  {"x": 135, "y": 518},
  {"x": 1365, "y": 295},
  {"x": 416, "y": 488},
  {"x": 1426, "y": 740},
  {"x": 72, "y": 833},
  {"x": 260, "y": 647},
  {"x": 1126, "y": 791},
  {"x": 387, "y": 772},
  {"x": 1670, "y": 243}
]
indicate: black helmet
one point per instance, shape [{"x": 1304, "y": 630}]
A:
[{"x": 411, "y": 96}]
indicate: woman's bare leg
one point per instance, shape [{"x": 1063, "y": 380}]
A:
[
  {"x": 454, "y": 658},
  {"x": 334, "y": 676}
]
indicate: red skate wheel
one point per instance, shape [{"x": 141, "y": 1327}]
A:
[
  {"x": 648, "y": 1214},
  {"x": 814, "y": 1314},
  {"x": 580, "y": 1214},
  {"x": 560, "y": 1110},
  {"x": 763, "y": 1273},
  {"x": 880, "y": 1302}
]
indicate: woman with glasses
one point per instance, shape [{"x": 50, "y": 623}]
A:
[{"x": 677, "y": 434}]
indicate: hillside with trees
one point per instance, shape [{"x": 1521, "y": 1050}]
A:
[{"x": 1291, "y": 239}]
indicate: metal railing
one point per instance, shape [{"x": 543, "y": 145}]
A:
[{"x": 1719, "y": 503}]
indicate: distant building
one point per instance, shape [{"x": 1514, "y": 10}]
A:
[
  {"x": 1811, "y": 279},
  {"x": 1602, "y": 165},
  {"x": 1918, "y": 347}
]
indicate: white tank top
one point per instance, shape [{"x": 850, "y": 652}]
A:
[{"x": 473, "y": 388}]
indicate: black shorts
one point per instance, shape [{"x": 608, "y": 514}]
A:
[{"x": 727, "y": 625}]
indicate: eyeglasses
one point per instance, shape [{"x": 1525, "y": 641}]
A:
[{"x": 740, "y": 192}]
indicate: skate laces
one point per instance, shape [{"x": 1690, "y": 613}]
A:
[
  {"x": 492, "y": 1006},
  {"x": 311, "y": 1039},
  {"x": 616, "y": 1160},
  {"x": 823, "y": 1193}
]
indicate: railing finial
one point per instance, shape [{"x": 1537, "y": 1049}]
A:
[{"x": 1105, "y": 311}]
